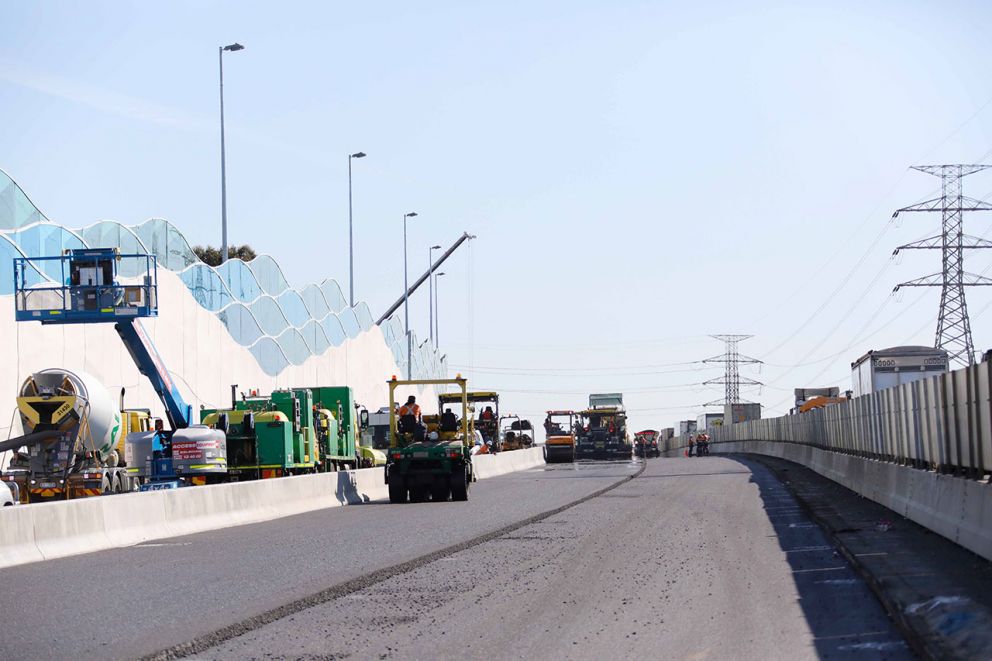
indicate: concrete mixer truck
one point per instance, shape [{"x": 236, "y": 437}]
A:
[{"x": 73, "y": 441}]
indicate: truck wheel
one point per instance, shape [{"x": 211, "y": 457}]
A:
[
  {"x": 107, "y": 487},
  {"x": 116, "y": 486},
  {"x": 397, "y": 489},
  {"x": 459, "y": 484},
  {"x": 418, "y": 494},
  {"x": 440, "y": 490}
]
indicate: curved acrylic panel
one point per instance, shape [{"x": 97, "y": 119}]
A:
[
  {"x": 333, "y": 329},
  {"x": 240, "y": 280},
  {"x": 332, "y": 293},
  {"x": 315, "y": 337},
  {"x": 16, "y": 209},
  {"x": 269, "y": 355},
  {"x": 241, "y": 324},
  {"x": 269, "y": 275},
  {"x": 206, "y": 287},
  {"x": 294, "y": 347},
  {"x": 350, "y": 323},
  {"x": 314, "y": 299},
  {"x": 364, "y": 315},
  {"x": 294, "y": 308},
  {"x": 387, "y": 334},
  {"x": 269, "y": 315},
  {"x": 167, "y": 244}
]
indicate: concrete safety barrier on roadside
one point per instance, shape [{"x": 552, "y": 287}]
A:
[
  {"x": 957, "y": 508},
  {"x": 491, "y": 465},
  {"x": 43, "y": 531}
]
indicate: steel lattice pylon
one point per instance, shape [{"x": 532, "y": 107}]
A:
[
  {"x": 732, "y": 378},
  {"x": 953, "y": 326}
]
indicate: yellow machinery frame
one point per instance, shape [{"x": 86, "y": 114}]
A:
[{"x": 462, "y": 383}]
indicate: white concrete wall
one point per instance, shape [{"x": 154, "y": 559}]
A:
[
  {"x": 958, "y": 508},
  {"x": 30, "y": 533},
  {"x": 196, "y": 347}
]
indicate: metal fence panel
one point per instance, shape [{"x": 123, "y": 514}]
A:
[{"x": 983, "y": 407}]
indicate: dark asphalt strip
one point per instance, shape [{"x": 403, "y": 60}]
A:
[
  {"x": 916, "y": 642},
  {"x": 203, "y": 643}
]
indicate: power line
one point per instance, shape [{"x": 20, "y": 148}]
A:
[
  {"x": 577, "y": 372},
  {"x": 582, "y": 369},
  {"x": 678, "y": 387},
  {"x": 861, "y": 339}
]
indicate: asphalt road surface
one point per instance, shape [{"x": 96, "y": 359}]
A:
[{"x": 703, "y": 558}]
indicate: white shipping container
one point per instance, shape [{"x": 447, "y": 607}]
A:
[{"x": 887, "y": 368}]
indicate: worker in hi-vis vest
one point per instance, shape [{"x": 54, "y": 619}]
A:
[{"x": 411, "y": 421}]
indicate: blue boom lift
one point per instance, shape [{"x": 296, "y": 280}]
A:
[{"x": 91, "y": 290}]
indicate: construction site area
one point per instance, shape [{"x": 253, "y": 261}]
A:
[{"x": 663, "y": 388}]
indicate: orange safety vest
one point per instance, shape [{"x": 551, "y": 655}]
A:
[{"x": 408, "y": 410}]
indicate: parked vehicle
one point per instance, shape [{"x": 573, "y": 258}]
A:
[{"x": 7, "y": 497}]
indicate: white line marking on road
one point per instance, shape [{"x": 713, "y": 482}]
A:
[{"x": 151, "y": 545}]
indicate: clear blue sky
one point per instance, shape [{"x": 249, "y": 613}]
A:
[{"x": 639, "y": 174}]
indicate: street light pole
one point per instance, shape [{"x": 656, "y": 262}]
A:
[
  {"x": 351, "y": 242},
  {"x": 437, "y": 304},
  {"x": 406, "y": 302},
  {"x": 430, "y": 288},
  {"x": 223, "y": 162}
]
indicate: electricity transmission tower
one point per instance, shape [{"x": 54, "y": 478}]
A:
[
  {"x": 953, "y": 325},
  {"x": 732, "y": 378}
]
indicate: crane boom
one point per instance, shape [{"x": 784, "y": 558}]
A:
[{"x": 440, "y": 260}]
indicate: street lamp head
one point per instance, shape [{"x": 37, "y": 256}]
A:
[
  {"x": 439, "y": 274},
  {"x": 234, "y": 47},
  {"x": 435, "y": 247},
  {"x": 471, "y": 236},
  {"x": 360, "y": 154},
  {"x": 410, "y": 215}
]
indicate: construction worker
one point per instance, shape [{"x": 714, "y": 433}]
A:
[
  {"x": 411, "y": 420},
  {"x": 692, "y": 445},
  {"x": 487, "y": 415},
  {"x": 702, "y": 445}
]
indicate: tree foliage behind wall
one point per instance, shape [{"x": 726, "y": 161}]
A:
[{"x": 211, "y": 256}]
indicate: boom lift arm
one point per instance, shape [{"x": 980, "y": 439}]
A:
[{"x": 149, "y": 363}]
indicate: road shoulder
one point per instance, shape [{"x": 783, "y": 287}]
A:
[{"x": 938, "y": 593}]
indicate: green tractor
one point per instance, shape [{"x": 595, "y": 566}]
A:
[{"x": 431, "y": 460}]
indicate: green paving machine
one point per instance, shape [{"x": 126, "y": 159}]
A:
[
  {"x": 429, "y": 460},
  {"x": 290, "y": 432},
  {"x": 340, "y": 443},
  {"x": 272, "y": 436}
]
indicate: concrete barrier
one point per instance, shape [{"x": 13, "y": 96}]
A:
[
  {"x": 491, "y": 465},
  {"x": 17, "y": 544},
  {"x": 53, "y": 530},
  {"x": 957, "y": 508}
]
